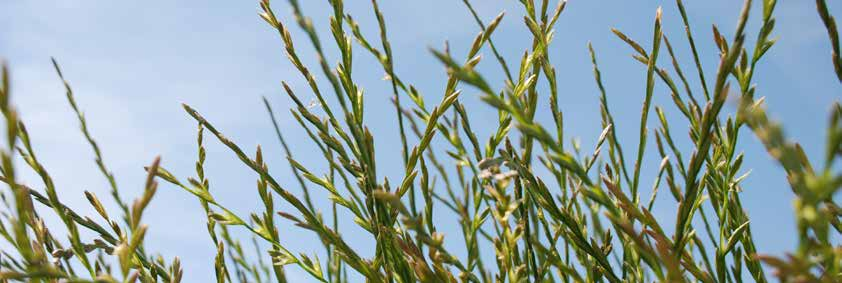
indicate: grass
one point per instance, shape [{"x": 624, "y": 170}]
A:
[{"x": 586, "y": 220}]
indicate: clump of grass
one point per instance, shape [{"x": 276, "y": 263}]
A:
[{"x": 588, "y": 221}]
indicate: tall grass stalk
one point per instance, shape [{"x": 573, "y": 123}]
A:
[{"x": 584, "y": 221}]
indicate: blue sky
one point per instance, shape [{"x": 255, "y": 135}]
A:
[{"x": 133, "y": 63}]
